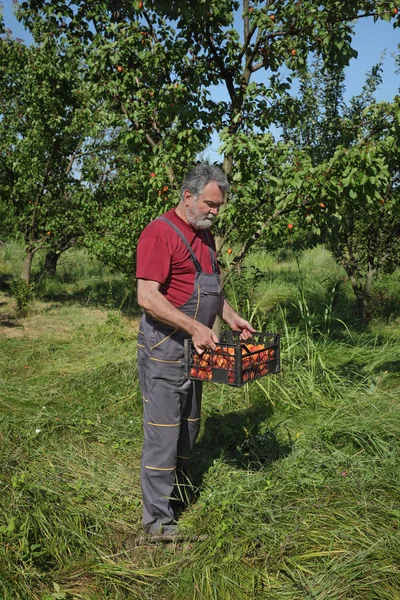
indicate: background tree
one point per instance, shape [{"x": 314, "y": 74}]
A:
[
  {"x": 46, "y": 120},
  {"x": 276, "y": 38},
  {"x": 354, "y": 149},
  {"x": 151, "y": 66},
  {"x": 136, "y": 66},
  {"x": 155, "y": 62},
  {"x": 359, "y": 189}
]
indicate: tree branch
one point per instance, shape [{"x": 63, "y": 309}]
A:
[
  {"x": 224, "y": 72},
  {"x": 257, "y": 234},
  {"x": 149, "y": 138},
  {"x": 246, "y": 20}
]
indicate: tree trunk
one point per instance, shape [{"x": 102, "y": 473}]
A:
[
  {"x": 362, "y": 291},
  {"x": 50, "y": 263},
  {"x": 26, "y": 268},
  {"x": 362, "y": 308}
]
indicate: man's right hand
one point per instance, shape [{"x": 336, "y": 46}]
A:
[
  {"x": 158, "y": 307},
  {"x": 204, "y": 338}
]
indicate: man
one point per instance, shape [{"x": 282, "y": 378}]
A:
[{"x": 179, "y": 289}]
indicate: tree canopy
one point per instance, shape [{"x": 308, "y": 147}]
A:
[{"x": 147, "y": 72}]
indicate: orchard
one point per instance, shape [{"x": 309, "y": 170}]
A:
[
  {"x": 293, "y": 491},
  {"x": 143, "y": 72}
]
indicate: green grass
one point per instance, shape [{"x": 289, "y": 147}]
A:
[
  {"x": 296, "y": 476},
  {"x": 312, "y": 277},
  {"x": 79, "y": 280}
]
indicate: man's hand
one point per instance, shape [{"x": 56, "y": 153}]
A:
[
  {"x": 236, "y": 322},
  {"x": 239, "y": 324},
  {"x": 158, "y": 307},
  {"x": 204, "y": 338}
]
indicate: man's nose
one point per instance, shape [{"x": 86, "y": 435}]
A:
[{"x": 214, "y": 210}]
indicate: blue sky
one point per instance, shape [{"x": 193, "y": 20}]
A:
[{"x": 370, "y": 40}]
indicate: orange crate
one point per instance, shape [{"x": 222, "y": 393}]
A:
[{"x": 235, "y": 362}]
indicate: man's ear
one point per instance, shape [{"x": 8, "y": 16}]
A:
[{"x": 187, "y": 197}]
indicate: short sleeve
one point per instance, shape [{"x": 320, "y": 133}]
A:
[{"x": 153, "y": 260}]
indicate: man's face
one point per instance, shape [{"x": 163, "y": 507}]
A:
[{"x": 202, "y": 211}]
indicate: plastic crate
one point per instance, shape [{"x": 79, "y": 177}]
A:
[{"x": 235, "y": 362}]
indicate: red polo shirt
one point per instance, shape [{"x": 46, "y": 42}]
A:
[{"x": 163, "y": 257}]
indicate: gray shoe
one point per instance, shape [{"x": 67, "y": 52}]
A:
[{"x": 168, "y": 533}]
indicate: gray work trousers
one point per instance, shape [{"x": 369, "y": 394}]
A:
[{"x": 171, "y": 422}]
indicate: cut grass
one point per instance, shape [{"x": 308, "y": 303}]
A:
[{"x": 296, "y": 476}]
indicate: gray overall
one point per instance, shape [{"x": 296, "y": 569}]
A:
[{"x": 171, "y": 402}]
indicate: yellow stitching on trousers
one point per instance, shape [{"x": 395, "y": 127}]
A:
[
  {"x": 163, "y": 340},
  {"x": 198, "y": 302},
  {"x": 166, "y": 361},
  {"x": 185, "y": 419},
  {"x": 140, "y": 331},
  {"x": 160, "y": 468},
  {"x": 163, "y": 424},
  {"x": 145, "y": 399},
  {"x": 184, "y": 457},
  {"x": 141, "y": 345}
]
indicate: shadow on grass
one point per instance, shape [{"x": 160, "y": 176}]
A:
[
  {"x": 5, "y": 282},
  {"x": 392, "y": 366},
  {"x": 384, "y": 304},
  {"x": 357, "y": 371},
  {"x": 323, "y": 310},
  {"x": 113, "y": 294},
  {"x": 7, "y": 323},
  {"x": 110, "y": 294},
  {"x": 333, "y": 298},
  {"x": 242, "y": 439}
]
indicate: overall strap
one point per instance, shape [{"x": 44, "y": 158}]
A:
[
  {"x": 184, "y": 240},
  {"x": 213, "y": 255}
]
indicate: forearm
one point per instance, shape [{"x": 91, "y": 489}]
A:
[{"x": 228, "y": 314}]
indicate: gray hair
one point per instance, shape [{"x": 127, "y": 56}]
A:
[{"x": 202, "y": 174}]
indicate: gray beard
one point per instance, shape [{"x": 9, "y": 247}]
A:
[
  {"x": 202, "y": 224},
  {"x": 199, "y": 222}
]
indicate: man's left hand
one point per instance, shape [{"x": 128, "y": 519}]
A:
[{"x": 239, "y": 324}]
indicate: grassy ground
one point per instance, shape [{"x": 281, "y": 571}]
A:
[{"x": 297, "y": 475}]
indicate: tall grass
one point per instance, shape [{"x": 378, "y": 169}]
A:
[{"x": 296, "y": 475}]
